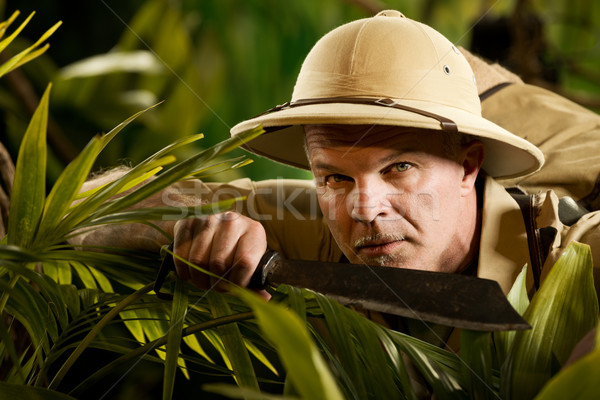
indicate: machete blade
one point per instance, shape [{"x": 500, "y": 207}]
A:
[{"x": 454, "y": 300}]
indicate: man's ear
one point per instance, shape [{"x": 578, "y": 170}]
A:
[{"x": 471, "y": 158}]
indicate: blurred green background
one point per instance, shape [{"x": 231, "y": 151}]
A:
[{"x": 217, "y": 62}]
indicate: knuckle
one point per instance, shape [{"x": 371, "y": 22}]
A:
[
  {"x": 218, "y": 264},
  {"x": 246, "y": 260}
]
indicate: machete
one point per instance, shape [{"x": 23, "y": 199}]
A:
[{"x": 454, "y": 300}]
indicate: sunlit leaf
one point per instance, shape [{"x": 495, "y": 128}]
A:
[
  {"x": 178, "y": 311},
  {"x": 65, "y": 189},
  {"x": 558, "y": 319},
  {"x": 234, "y": 344},
  {"x": 517, "y": 297},
  {"x": 579, "y": 381},
  {"x": 300, "y": 357},
  {"x": 29, "y": 53},
  {"x": 29, "y": 187}
]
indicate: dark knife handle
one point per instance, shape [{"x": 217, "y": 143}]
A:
[{"x": 260, "y": 279}]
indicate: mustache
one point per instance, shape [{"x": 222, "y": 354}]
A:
[{"x": 377, "y": 238}]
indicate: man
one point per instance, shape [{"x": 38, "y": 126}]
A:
[{"x": 386, "y": 114}]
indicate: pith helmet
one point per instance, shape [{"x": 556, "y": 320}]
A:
[{"x": 387, "y": 70}]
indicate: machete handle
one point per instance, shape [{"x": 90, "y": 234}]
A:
[
  {"x": 258, "y": 281},
  {"x": 268, "y": 261}
]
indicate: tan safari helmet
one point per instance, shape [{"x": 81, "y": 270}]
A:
[{"x": 387, "y": 70}]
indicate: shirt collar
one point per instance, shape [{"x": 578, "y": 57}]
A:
[{"x": 503, "y": 247}]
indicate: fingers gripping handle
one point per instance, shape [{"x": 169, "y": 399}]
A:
[{"x": 268, "y": 263}]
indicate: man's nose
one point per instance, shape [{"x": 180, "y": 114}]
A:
[{"x": 368, "y": 203}]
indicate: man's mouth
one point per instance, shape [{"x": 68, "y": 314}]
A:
[{"x": 378, "y": 244}]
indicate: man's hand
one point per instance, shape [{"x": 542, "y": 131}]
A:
[{"x": 227, "y": 244}]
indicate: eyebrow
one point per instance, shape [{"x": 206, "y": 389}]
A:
[{"x": 385, "y": 160}]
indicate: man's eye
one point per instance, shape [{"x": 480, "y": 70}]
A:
[
  {"x": 402, "y": 166},
  {"x": 335, "y": 178}
]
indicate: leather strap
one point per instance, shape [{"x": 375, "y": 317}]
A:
[
  {"x": 446, "y": 123},
  {"x": 538, "y": 239},
  {"x": 493, "y": 90}
]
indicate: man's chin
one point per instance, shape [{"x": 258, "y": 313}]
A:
[{"x": 383, "y": 260}]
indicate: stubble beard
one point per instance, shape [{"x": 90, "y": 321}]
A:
[{"x": 383, "y": 260}]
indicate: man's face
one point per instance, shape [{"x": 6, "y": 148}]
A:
[{"x": 393, "y": 196}]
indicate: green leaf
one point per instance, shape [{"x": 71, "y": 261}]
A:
[
  {"x": 559, "y": 319},
  {"x": 26, "y": 55},
  {"x": 476, "y": 352},
  {"x": 29, "y": 187},
  {"x": 579, "y": 381},
  {"x": 132, "y": 298},
  {"x": 178, "y": 311},
  {"x": 13, "y": 391},
  {"x": 235, "y": 392},
  {"x": 194, "y": 344},
  {"x": 6, "y": 339},
  {"x": 5, "y": 42},
  {"x": 517, "y": 297},
  {"x": 234, "y": 343},
  {"x": 304, "y": 365},
  {"x": 84, "y": 274},
  {"x": 162, "y": 213},
  {"x": 177, "y": 172},
  {"x": 5, "y": 24},
  {"x": 65, "y": 189}
]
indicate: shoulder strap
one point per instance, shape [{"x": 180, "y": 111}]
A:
[{"x": 538, "y": 239}]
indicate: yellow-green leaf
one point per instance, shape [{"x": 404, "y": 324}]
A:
[
  {"x": 579, "y": 381},
  {"x": 561, "y": 313},
  {"x": 303, "y": 362},
  {"x": 29, "y": 187}
]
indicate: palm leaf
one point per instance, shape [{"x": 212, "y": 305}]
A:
[
  {"x": 305, "y": 368},
  {"x": 94, "y": 332},
  {"x": 178, "y": 311},
  {"x": 29, "y": 53},
  {"x": 29, "y": 188},
  {"x": 235, "y": 347}
]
